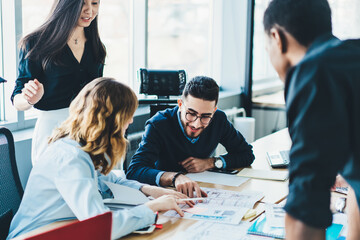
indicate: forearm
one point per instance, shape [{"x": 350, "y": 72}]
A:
[
  {"x": 147, "y": 189},
  {"x": 20, "y": 103},
  {"x": 166, "y": 179},
  {"x": 140, "y": 171},
  {"x": 296, "y": 229}
]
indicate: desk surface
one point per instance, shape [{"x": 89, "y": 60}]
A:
[{"x": 274, "y": 191}]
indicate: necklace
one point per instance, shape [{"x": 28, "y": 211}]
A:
[{"x": 76, "y": 41}]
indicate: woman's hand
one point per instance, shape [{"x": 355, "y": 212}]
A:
[
  {"x": 165, "y": 203},
  {"x": 33, "y": 91},
  {"x": 157, "y": 192}
]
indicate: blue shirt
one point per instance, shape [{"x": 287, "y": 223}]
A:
[
  {"x": 323, "y": 108},
  {"x": 164, "y": 145},
  {"x": 65, "y": 185}
]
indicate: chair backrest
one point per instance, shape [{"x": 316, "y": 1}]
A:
[
  {"x": 11, "y": 191},
  {"x": 95, "y": 228}
]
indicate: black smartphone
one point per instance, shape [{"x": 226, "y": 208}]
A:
[{"x": 227, "y": 171}]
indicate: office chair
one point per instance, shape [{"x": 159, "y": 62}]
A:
[
  {"x": 163, "y": 84},
  {"x": 95, "y": 228},
  {"x": 11, "y": 191}
]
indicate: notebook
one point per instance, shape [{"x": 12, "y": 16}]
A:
[
  {"x": 261, "y": 227},
  {"x": 278, "y": 159}
]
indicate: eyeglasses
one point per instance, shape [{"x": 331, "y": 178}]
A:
[{"x": 192, "y": 117}]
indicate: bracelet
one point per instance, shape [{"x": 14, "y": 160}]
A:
[{"x": 174, "y": 178}]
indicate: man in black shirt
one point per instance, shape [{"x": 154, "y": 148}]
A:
[{"x": 322, "y": 92}]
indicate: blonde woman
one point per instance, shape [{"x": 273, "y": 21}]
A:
[{"x": 67, "y": 181}]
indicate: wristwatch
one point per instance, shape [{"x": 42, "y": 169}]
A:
[{"x": 218, "y": 163}]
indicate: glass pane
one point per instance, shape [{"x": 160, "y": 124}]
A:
[
  {"x": 178, "y": 35},
  {"x": 345, "y": 18},
  {"x": 262, "y": 68},
  {"x": 2, "y": 89},
  {"x": 34, "y": 13},
  {"x": 114, "y": 32}
]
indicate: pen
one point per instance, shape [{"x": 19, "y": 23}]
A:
[{"x": 191, "y": 199}]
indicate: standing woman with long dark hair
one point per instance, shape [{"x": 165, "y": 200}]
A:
[{"x": 56, "y": 61}]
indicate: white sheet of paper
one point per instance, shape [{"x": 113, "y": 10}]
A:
[
  {"x": 275, "y": 215},
  {"x": 213, "y": 231},
  {"x": 341, "y": 218},
  {"x": 264, "y": 174},
  {"x": 222, "y": 206},
  {"x": 212, "y": 213},
  {"x": 126, "y": 195},
  {"x": 218, "y": 178}
]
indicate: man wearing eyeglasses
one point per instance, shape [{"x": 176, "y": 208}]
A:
[{"x": 183, "y": 139}]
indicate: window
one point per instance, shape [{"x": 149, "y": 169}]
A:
[
  {"x": 114, "y": 32},
  {"x": 2, "y": 89},
  {"x": 178, "y": 35},
  {"x": 345, "y": 19},
  {"x": 200, "y": 36},
  {"x": 34, "y": 13},
  {"x": 265, "y": 78}
]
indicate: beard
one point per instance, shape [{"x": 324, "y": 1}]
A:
[{"x": 192, "y": 134}]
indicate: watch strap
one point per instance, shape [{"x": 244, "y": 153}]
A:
[{"x": 174, "y": 178}]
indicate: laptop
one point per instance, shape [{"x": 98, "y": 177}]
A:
[{"x": 278, "y": 159}]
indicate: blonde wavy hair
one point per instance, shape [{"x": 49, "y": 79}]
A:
[{"x": 97, "y": 117}]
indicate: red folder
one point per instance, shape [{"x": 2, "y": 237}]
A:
[{"x": 95, "y": 228}]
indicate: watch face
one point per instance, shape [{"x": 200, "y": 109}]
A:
[{"x": 218, "y": 163}]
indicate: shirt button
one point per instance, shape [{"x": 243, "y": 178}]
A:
[{"x": 81, "y": 70}]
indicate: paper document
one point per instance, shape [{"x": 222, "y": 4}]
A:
[
  {"x": 221, "y": 206},
  {"x": 341, "y": 218},
  {"x": 213, "y": 231},
  {"x": 220, "y": 197},
  {"x": 275, "y": 215},
  {"x": 125, "y": 195},
  {"x": 264, "y": 174},
  {"x": 217, "y": 178}
]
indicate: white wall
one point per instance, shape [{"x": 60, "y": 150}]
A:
[{"x": 268, "y": 121}]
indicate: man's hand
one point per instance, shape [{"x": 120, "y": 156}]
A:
[
  {"x": 187, "y": 186},
  {"x": 195, "y": 165}
]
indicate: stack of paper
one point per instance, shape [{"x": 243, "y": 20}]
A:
[
  {"x": 217, "y": 178},
  {"x": 220, "y": 206},
  {"x": 264, "y": 174},
  {"x": 213, "y": 231}
]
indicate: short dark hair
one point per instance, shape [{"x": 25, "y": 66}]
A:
[
  {"x": 202, "y": 87},
  {"x": 305, "y": 20}
]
